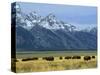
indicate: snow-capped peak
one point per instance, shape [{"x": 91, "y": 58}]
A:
[
  {"x": 51, "y": 22},
  {"x": 28, "y": 21},
  {"x": 51, "y": 16}
]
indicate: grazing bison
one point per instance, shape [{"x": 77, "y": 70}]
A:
[
  {"x": 93, "y": 57},
  {"x": 68, "y": 57},
  {"x": 60, "y": 58},
  {"x": 28, "y": 59},
  {"x": 87, "y": 58},
  {"x": 48, "y": 58},
  {"x": 76, "y": 57}
]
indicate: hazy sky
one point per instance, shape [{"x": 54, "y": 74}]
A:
[{"x": 78, "y": 15}]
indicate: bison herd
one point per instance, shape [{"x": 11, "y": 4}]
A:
[
  {"x": 73, "y": 57},
  {"x": 51, "y": 58},
  {"x": 28, "y": 59}
]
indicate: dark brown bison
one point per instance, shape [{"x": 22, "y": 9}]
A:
[
  {"x": 93, "y": 57},
  {"x": 76, "y": 57},
  {"x": 87, "y": 58},
  {"x": 48, "y": 58},
  {"x": 60, "y": 58},
  {"x": 29, "y": 59},
  {"x": 68, "y": 57}
]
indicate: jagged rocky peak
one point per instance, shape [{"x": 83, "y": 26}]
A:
[
  {"x": 35, "y": 18},
  {"x": 51, "y": 16},
  {"x": 51, "y": 22},
  {"x": 33, "y": 15},
  {"x": 28, "y": 21}
]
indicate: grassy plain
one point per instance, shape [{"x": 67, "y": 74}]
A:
[{"x": 57, "y": 64}]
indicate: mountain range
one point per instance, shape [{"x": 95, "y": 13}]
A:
[{"x": 34, "y": 32}]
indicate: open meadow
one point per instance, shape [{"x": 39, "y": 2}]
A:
[{"x": 54, "y": 60}]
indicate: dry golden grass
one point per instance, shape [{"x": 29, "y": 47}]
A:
[{"x": 57, "y": 64}]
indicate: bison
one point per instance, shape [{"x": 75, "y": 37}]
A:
[
  {"x": 93, "y": 57},
  {"x": 87, "y": 58},
  {"x": 76, "y": 57},
  {"x": 68, "y": 57},
  {"x": 60, "y": 58},
  {"x": 48, "y": 58},
  {"x": 28, "y": 59}
]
